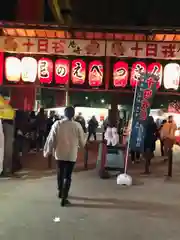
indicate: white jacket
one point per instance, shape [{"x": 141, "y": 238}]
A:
[{"x": 64, "y": 140}]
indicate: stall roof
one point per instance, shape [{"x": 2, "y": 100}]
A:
[{"x": 89, "y": 32}]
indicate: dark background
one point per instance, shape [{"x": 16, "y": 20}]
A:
[{"x": 111, "y": 12}]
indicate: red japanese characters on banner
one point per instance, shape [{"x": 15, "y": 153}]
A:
[
  {"x": 137, "y": 69},
  {"x": 171, "y": 76},
  {"x": 45, "y": 70},
  {"x": 156, "y": 69},
  {"x": 28, "y": 69},
  {"x": 120, "y": 74},
  {"x": 62, "y": 71},
  {"x": 96, "y": 72},
  {"x": 13, "y": 69},
  {"x": 78, "y": 73}
]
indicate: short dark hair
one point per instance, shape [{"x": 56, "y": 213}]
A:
[
  {"x": 170, "y": 117},
  {"x": 69, "y": 112}
]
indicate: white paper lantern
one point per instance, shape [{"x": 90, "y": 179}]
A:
[
  {"x": 13, "y": 69},
  {"x": 29, "y": 69},
  {"x": 171, "y": 76}
]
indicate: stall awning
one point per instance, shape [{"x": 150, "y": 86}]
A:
[{"x": 97, "y": 32}]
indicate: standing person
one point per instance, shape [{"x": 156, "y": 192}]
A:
[
  {"x": 50, "y": 122},
  {"x": 32, "y": 130},
  {"x": 168, "y": 135},
  {"x": 64, "y": 139},
  {"x": 92, "y": 127},
  {"x": 8, "y": 130},
  {"x": 81, "y": 120},
  {"x": 41, "y": 124},
  {"x": 161, "y": 140},
  {"x": 149, "y": 142}
]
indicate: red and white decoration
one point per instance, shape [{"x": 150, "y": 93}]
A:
[
  {"x": 137, "y": 69},
  {"x": 28, "y": 69},
  {"x": 171, "y": 76},
  {"x": 96, "y": 72},
  {"x": 156, "y": 69},
  {"x": 62, "y": 71},
  {"x": 45, "y": 70},
  {"x": 120, "y": 74},
  {"x": 78, "y": 71},
  {"x": 13, "y": 69}
]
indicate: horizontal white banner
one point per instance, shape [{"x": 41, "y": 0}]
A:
[{"x": 76, "y": 47}]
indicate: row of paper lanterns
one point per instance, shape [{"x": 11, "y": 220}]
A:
[
  {"x": 28, "y": 69},
  {"x": 170, "y": 75}
]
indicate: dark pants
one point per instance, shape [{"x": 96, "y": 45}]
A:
[
  {"x": 41, "y": 139},
  {"x": 162, "y": 147},
  {"x": 148, "y": 154},
  {"x": 64, "y": 172},
  {"x": 90, "y": 134},
  {"x": 135, "y": 156}
]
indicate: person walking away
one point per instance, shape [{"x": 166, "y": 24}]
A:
[
  {"x": 149, "y": 142},
  {"x": 81, "y": 120},
  {"x": 92, "y": 127},
  {"x": 161, "y": 140},
  {"x": 64, "y": 139},
  {"x": 168, "y": 135}
]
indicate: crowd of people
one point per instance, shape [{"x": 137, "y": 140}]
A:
[
  {"x": 165, "y": 132},
  {"x": 63, "y": 138}
]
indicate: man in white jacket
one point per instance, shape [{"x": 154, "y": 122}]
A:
[{"x": 64, "y": 139}]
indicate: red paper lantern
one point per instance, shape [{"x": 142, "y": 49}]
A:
[
  {"x": 120, "y": 74},
  {"x": 62, "y": 71},
  {"x": 29, "y": 69},
  {"x": 13, "y": 69},
  {"x": 156, "y": 69},
  {"x": 45, "y": 70},
  {"x": 96, "y": 72},
  {"x": 171, "y": 76},
  {"x": 137, "y": 69},
  {"x": 78, "y": 73}
]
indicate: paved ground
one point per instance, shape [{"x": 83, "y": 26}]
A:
[{"x": 100, "y": 210}]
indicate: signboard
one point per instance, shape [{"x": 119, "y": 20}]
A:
[
  {"x": 144, "y": 95},
  {"x": 79, "y": 47},
  {"x": 52, "y": 46},
  {"x": 134, "y": 49},
  {"x": 6, "y": 111}
]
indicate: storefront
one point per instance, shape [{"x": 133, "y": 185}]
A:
[{"x": 36, "y": 59}]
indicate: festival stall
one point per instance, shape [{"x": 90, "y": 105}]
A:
[{"x": 43, "y": 57}]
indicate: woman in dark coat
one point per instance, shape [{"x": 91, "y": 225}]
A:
[{"x": 150, "y": 142}]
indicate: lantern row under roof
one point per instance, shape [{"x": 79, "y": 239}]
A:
[{"x": 78, "y": 72}]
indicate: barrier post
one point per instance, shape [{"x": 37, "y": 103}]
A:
[{"x": 103, "y": 173}]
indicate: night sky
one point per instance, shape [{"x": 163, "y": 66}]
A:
[{"x": 112, "y": 12}]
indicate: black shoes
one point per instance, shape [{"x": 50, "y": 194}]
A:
[{"x": 65, "y": 202}]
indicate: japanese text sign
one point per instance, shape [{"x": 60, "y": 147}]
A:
[{"x": 145, "y": 92}]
